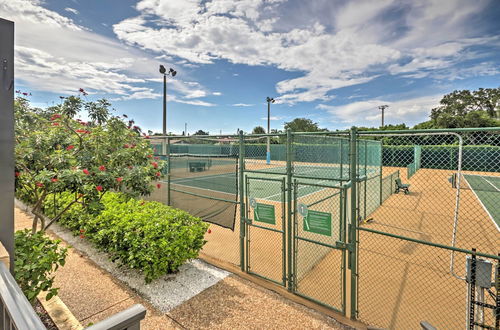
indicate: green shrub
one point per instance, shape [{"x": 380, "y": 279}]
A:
[
  {"x": 149, "y": 236},
  {"x": 37, "y": 258}
]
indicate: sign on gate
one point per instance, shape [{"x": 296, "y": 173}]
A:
[
  {"x": 318, "y": 223},
  {"x": 265, "y": 213}
]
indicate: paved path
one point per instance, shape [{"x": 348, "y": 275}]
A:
[{"x": 92, "y": 294}]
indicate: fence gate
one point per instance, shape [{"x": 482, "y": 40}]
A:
[
  {"x": 319, "y": 249},
  {"x": 265, "y": 227}
]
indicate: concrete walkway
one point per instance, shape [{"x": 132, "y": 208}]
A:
[{"x": 92, "y": 294}]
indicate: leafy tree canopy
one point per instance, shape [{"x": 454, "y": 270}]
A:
[
  {"x": 200, "y": 132},
  {"x": 303, "y": 125},
  {"x": 464, "y": 108},
  {"x": 56, "y": 153},
  {"x": 258, "y": 130}
]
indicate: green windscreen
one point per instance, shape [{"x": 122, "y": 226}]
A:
[{"x": 202, "y": 178}]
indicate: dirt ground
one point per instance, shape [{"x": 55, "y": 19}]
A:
[{"x": 400, "y": 283}]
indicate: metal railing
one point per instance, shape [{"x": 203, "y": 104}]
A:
[
  {"x": 15, "y": 310},
  {"x": 17, "y": 313}
]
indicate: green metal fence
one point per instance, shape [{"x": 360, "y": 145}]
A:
[{"x": 323, "y": 217}]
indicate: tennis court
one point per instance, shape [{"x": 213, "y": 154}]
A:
[
  {"x": 487, "y": 190},
  {"x": 226, "y": 182}
]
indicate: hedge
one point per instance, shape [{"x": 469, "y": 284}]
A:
[
  {"x": 474, "y": 158},
  {"x": 149, "y": 236}
]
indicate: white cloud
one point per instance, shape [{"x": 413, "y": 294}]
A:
[
  {"x": 243, "y": 105},
  {"x": 354, "y": 42},
  {"x": 55, "y": 54},
  {"x": 217, "y": 93},
  {"x": 272, "y": 118},
  {"x": 71, "y": 10},
  {"x": 366, "y": 113}
]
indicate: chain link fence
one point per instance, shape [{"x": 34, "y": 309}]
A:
[
  {"x": 376, "y": 225},
  {"x": 407, "y": 251}
]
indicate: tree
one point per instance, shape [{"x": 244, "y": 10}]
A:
[
  {"x": 303, "y": 125},
  {"x": 57, "y": 153},
  {"x": 200, "y": 132},
  {"x": 258, "y": 130},
  {"x": 468, "y": 109}
]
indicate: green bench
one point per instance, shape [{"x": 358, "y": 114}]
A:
[
  {"x": 197, "y": 166},
  {"x": 401, "y": 186}
]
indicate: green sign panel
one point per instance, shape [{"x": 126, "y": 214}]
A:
[
  {"x": 264, "y": 213},
  {"x": 318, "y": 223}
]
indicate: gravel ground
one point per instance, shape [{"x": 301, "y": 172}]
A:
[
  {"x": 165, "y": 293},
  {"x": 46, "y": 320}
]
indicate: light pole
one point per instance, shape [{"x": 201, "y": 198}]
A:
[
  {"x": 268, "y": 153},
  {"x": 383, "y": 107},
  {"x": 172, "y": 73}
]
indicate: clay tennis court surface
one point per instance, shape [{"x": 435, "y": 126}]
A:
[{"x": 400, "y": 282}]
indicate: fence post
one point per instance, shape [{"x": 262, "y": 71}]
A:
[
  {"x": 167, "y": 149},
  {"x": 381, "y": 170},
  {"x": 241, "y": 169},
  {"x": 289, "y": 207},
  {"x": 353, "y": 227}
]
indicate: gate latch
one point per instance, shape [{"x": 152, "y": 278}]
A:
[{"x": 343, "y": 245}]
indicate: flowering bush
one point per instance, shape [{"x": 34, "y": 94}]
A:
[{"x": 57, "y": 152}]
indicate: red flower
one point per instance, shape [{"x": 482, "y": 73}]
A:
[
  {"x": 39, "y": 184},
  {"x": 126, "y": 146},
  {"x": 158, "y": 174},
  {"x": 55, "y": 124},
  {"x": 82, "y": 236},
  {"x": 157, "y": 158},
  {"x": 209, "y": 231},
  {"x": 70, "y": 147},
  {"x": 119, "y": 179},
  {"x": 155, "y": 164},
  {"x": 149, "y": 156},
  {"x": 158, "y": 186},
  {"x": 55, "y": 116},
  {"x": 86, "y": 171},
  {"x": 81, "y": 131},
  {"x": 54, "y": 180},
  {"x": 82, "y": 231},
  {"x": 102, "y": 168},
  {"x": 17, "y": 174},
  {"x": 99, "y": 188}
]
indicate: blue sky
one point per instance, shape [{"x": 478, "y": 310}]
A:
[{"x": 331, "y": 61}]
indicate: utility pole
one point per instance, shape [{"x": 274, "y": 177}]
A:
[
  {"x": 185, "y": 129},
  {"x": 382, "y": 108}
]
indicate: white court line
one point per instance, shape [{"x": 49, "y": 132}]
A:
[
  {"x": 480, "y": 202},
  {"x": 299, "y": 189},
  {"x": 195, "y": 187},
  {"x": 491, "y": 183},
  {"x": 201, "y": 177}
]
